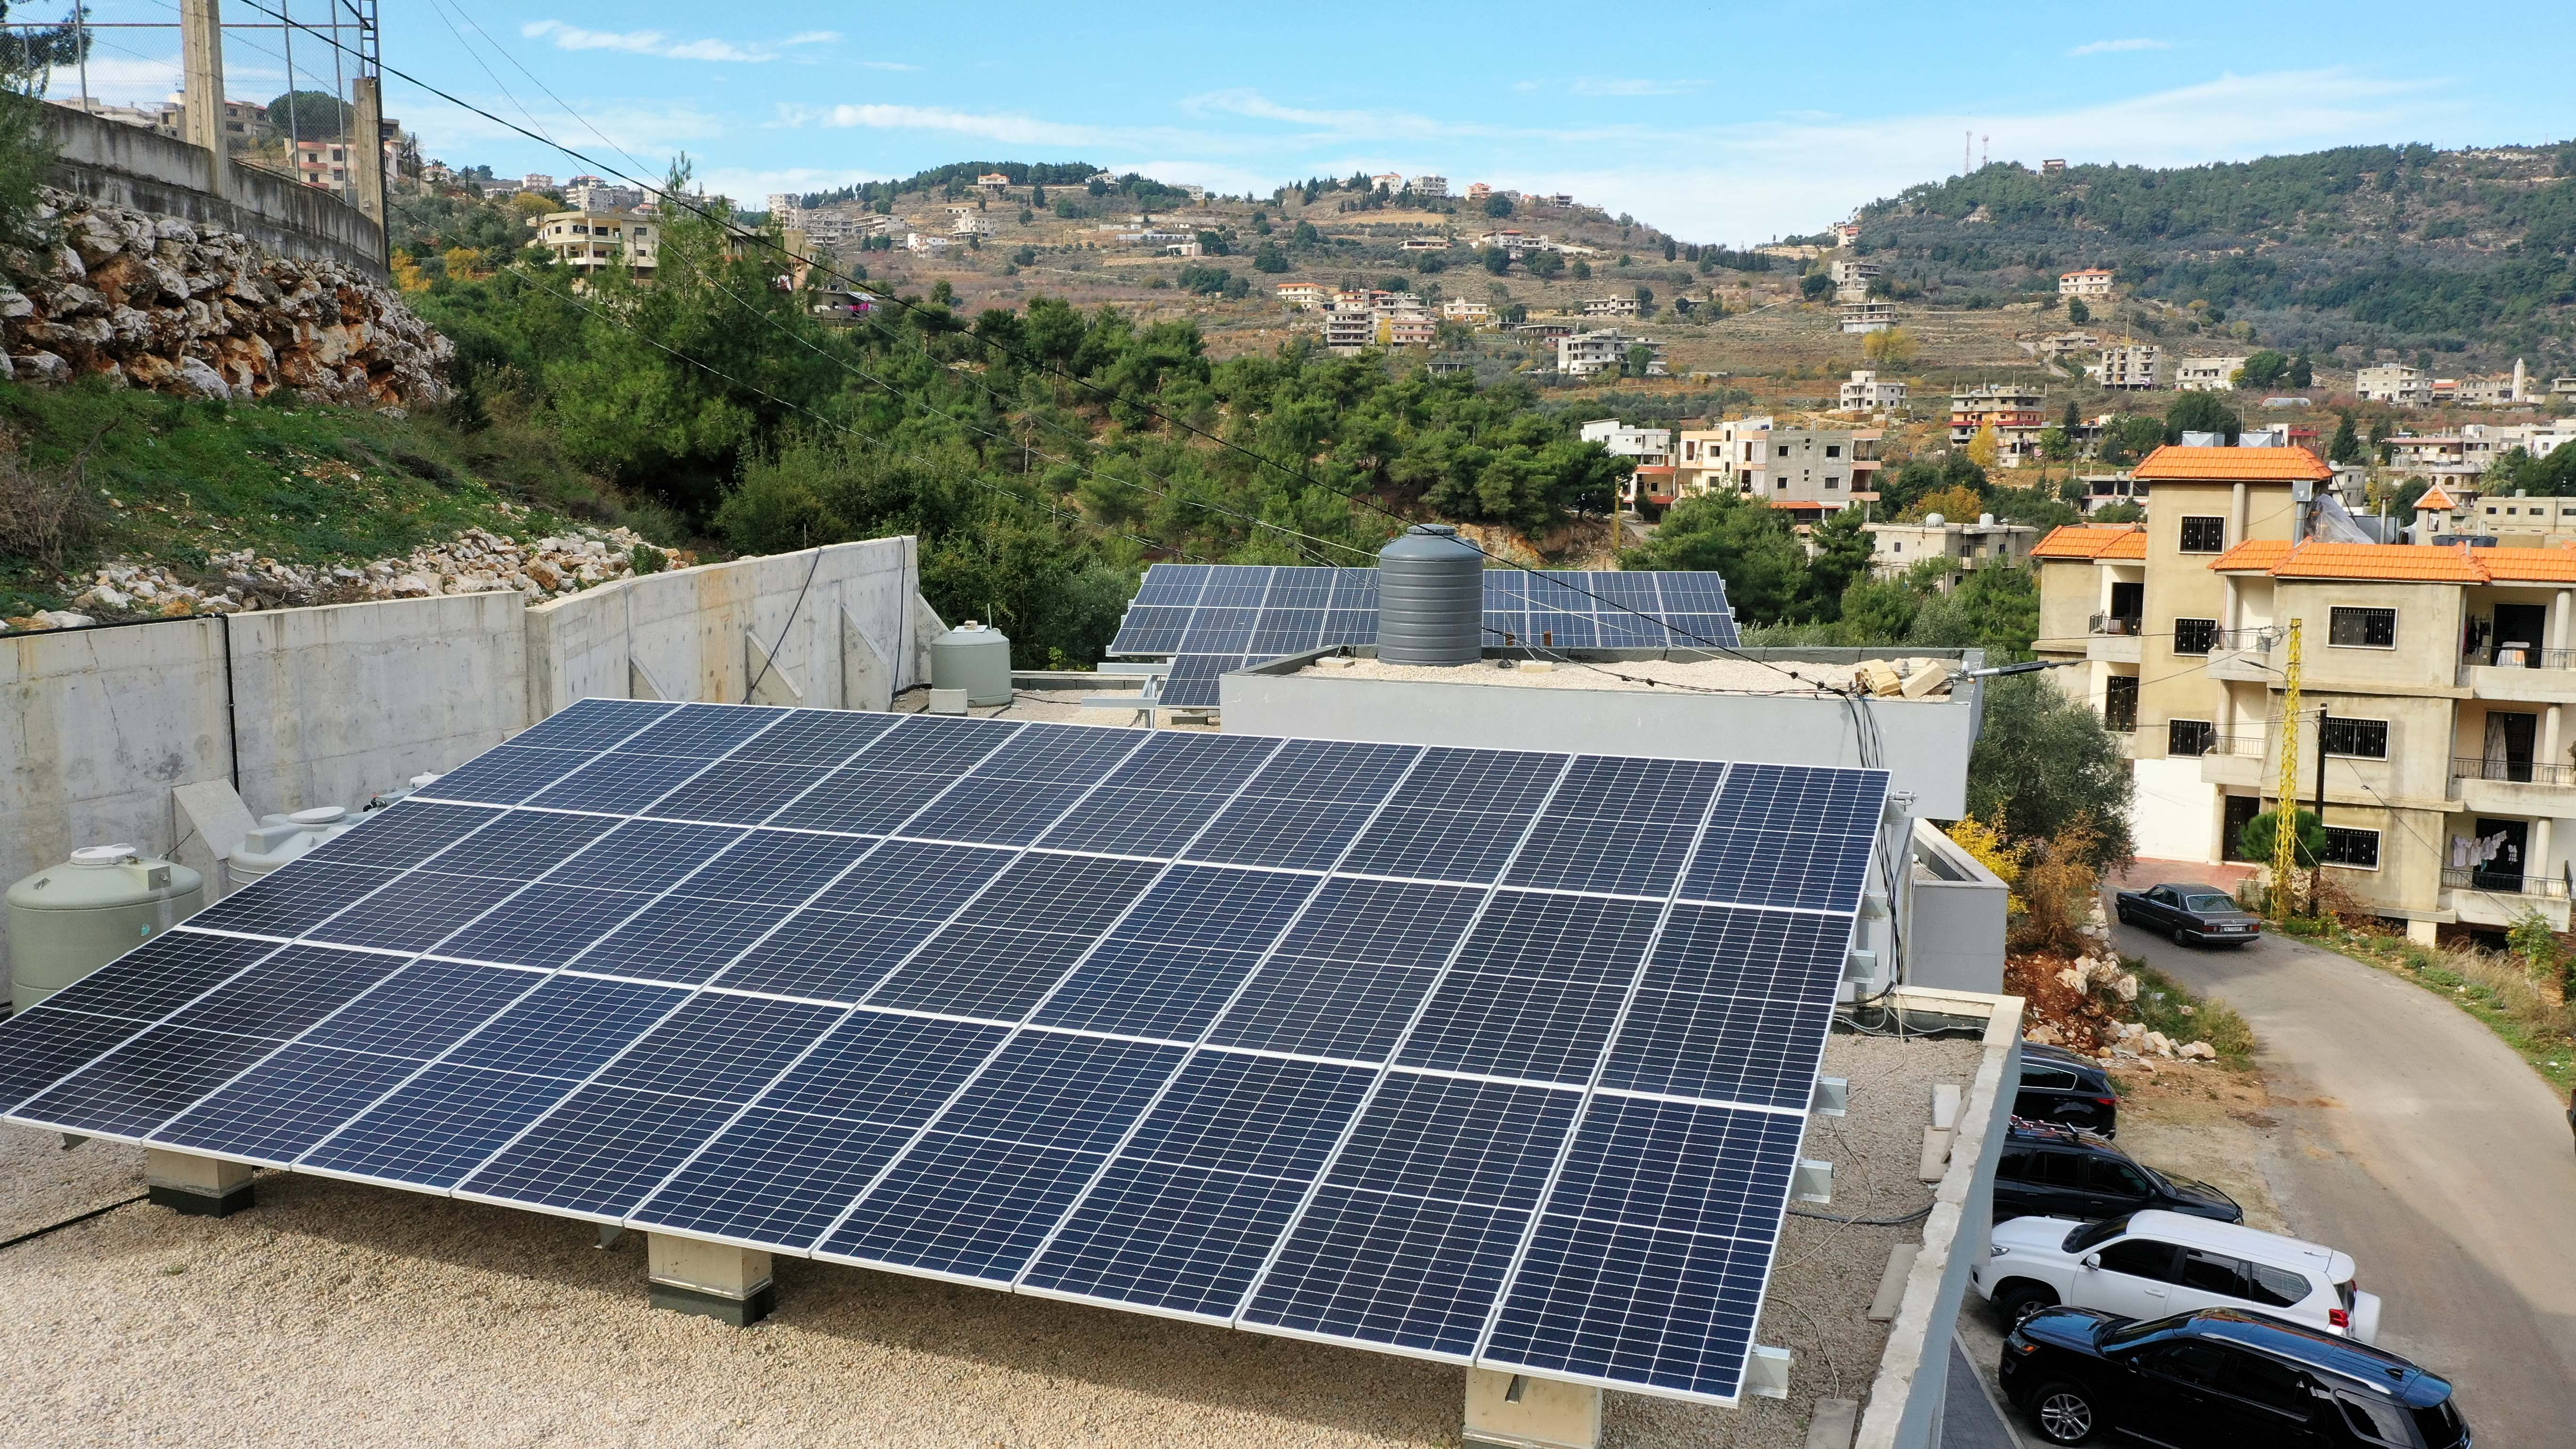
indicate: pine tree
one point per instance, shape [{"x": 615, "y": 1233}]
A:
[
  {"x": 2346, "y": 447},
  {"x": 2303, "y": 373}
]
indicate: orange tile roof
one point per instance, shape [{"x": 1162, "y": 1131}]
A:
[
  {"x": 2128, "y": 547},
  {"x": 2173, "y": 464},
  {"x": 2434, "y": 497},
  {"x": 2081, "y": 540},
  {"x": 2403, "y": 563},
  {"x": 2253, "y": 554}
]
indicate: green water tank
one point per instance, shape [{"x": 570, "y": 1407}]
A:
[
  {"x": 975, "y": 658},
  {"x": 68, "y": 920}
]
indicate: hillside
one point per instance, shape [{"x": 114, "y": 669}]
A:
[{"x": 2350, "y": 251}]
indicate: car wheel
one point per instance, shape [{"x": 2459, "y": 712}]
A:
[
  {"x": 2020, "y": 1300},
  {"x": 2181, "y": 937},
  {"x": 2063, "y": 1413}
]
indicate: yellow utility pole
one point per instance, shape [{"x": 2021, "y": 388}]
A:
[{"x": 2285, "y": 838}]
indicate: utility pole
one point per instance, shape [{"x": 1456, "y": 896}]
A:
[
  {"x": 2285, "y": 816},
  {"x": 2317, "y": 870},
  {"x": 201, "y": 45}
]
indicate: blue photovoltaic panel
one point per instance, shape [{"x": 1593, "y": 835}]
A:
[
  {"x": 1215, "y": 618},
  {"x": 1497, "y": 1057}
]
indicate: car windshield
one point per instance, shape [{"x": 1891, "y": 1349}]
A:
[
  {"x": 2087, "y": 1237},
  {"x": 2212, "y": 902}
]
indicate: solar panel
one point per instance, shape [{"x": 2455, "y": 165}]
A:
[
  {"x": 1215, "y": 618},
  {"x": 1490, "y": 1057}
]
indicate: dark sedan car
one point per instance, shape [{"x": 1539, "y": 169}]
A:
[
  {"x": 2059, "y": 1086},
  {"x": 2191, "y": 914},
  {"x": 2054, "y": 1171},
  {"x": 2220, "y": 1378}
]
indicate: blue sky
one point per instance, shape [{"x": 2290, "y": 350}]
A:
[{"x": 1733, "y": 123}]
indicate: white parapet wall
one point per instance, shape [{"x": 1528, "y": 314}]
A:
[
  {"x": 330, "y": 705},
  {"x": 2176, "y": 812}
]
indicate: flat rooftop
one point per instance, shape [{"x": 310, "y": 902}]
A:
[
  {"x": 341, "y": 1313},
  {"x": 1735, "y": 676}
]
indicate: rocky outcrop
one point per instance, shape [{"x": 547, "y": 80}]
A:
[{"x": 156, "y": 302}]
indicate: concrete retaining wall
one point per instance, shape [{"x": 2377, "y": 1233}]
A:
[
  {"x": 327, "y": 706},
  {"x": 128, "y": 166}
]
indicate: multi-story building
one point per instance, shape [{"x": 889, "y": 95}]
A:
[
  {"x": 1304, "y": 296},
  {"x": 246, "y": 125},
  {"x": 1474, "y": 314},
  {"x": 1852, "y": 277},
  {"x": 1898, "y": 548},
  {"x": 2396, "y": 383},
  {"x": 1349, "y": 329},
  {"x": 2090, "y": 282},
  {"x": 594, "y": 193},
  {"x": 924, "y": 244},
  {"x": 2441, "y": 671},
  {"x": 1858, "y": 317},
  {"x": 1588, "y": 354},
  {"x": 2013, "y": 411},
  {"x": 994, "y": 182},
  {"x": 1431, "y": 187},
  {"x": 1651, "y": 449},
  {"x": 1610, "y": 307},
  {"x": 1826, "y": 469},
  {"x": 328, "y": 165},
  {"x": 2059, "y": 346},
  {"x": 2207, "y": 374},
  {"x": 2503, "y": 390},
  {"x": 1412, "y": 331},
  {"x": 1425, "y": 244},
  {"x": 2136, "y": 366},
  {"x": 1866, "y": 393},
  {"x": 593, "y": 241}
]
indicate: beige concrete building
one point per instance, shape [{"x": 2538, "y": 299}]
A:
[
  {"x": 1826, "y": 469},
  {"x": 1896, "y": 548},
  {"x": 2441, "y": 672},
  {"x": 2406, "y": 386},
  {"x": 2135, "y": 366},
  {"x": 2013, "y": 411},
  {"x": 592, "y": 241},
  {"x": 2090, "y": 282}
]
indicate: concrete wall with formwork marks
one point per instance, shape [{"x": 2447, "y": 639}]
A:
[{"x": 328, "y": 706}]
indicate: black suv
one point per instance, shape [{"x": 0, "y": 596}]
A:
[
  {"x": 2221, "y": 1378},
  {"x": 2059, "y": 1086},
  {"x": 2054, "y": 1171}
]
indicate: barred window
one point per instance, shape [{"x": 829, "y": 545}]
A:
[
  {"x": 2204, "y": 535},
  {"x": 2195, "y": 636},
  {"x": 2188, "y": 736},
  {"x": 2362, "y": 738},
  {"x": 2356, "y": 848},
  {"x": 2362, "y": 628}
]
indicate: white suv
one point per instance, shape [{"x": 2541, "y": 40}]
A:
[{"x": 2151, "y": 1264}]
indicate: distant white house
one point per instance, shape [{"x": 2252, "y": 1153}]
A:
[
  {"x": 1304, "y": 296},
  {"x": 1865, "y": 393},
  {"x": 2207, "y": 374},
  {"x": 993, "y": 181},
  {"x": 1430, "y": 186},
  {"x": 2090, "y": 282},
  {"x": 2408, "y": 386},
  {"x": 2136, "y": 367},
  {"x": 1589, "y": 354},
  {"x": 1610, "y": 307}
]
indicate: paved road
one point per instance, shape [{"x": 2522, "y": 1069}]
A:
[{"x": 2412, "y": 1139}]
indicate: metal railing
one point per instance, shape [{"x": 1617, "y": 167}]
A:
[
  {"x": 2502, "y": 881},
  {"x": 2515, "y": 772},
  {"x": 2517, "y": 657},
  {"x": 2243, "y": 746},
  {"x": 2239, "y": 639},
  {"x": 2127, "y": 625}
]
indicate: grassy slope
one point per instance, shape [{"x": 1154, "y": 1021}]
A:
[{"x": 176, "y": 482}]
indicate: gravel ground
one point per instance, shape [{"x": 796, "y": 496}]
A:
[{"x": 340, "y": 1314}]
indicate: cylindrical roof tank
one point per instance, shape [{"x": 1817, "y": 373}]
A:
[
  {"x": 279, "y": 839},
  {"x": 1430, "y": 598},
  {"x": 974, "y": 658},
  {"x": 66, "y": 921}
]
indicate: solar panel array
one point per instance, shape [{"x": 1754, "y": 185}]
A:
[
  {"x": 1215, "y": 618},
  {"x": 1475, "y": 1055}
]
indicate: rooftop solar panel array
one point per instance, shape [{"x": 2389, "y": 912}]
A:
[
  {"x": 1489, "y": 1057},
  {"x": 1215, "y": 618}
]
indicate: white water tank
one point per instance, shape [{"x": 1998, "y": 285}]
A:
[
  {"x": 68, "y": 920},
  {"x": 279, "y": 839},
  {"x": 975, "y": 658}
]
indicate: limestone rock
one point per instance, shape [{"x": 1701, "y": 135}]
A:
[{"x": 2198, "y": 1051}]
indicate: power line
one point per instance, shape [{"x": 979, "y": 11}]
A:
[{"x": 674, "y": 198}]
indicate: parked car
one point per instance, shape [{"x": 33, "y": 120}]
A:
[
  {"x": 2191, "y": 914},
  {"x": 2059, "y": 1086},
  {"x": 2151, "y": 1264},
  {"x": 2220, "y": 1378},
  {"x": 2055, "y": 1171}
]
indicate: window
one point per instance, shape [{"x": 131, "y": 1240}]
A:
[
  {"x": 2113, "y": 1176},
  {"x": 2267, "y": 1381},
  {"x": 2120, "y": 703},
  {"x": 2204, "y": 535},
  {"x": 2362, "y": 628},
  {"x": 2195, "y": 636},
  {"x": 1833, "y": 450},
  {"x": 2210, "y": 1272},
  {"x": 2356, "y": 848},
  {"x": 2055, "y": 1079},
  {"x": 2374, "y": 1422},
  {"x": 1833, "y": 482},
  {"x": 2274, "y": 1287},
  {"x": 1784, "y": 450},
  {"x": 2189, "y": 736},
  {"x": 2056, "y": 1169},
  {"x": 2365, "y": 739},
  {"x": 2140, "y": 1258}
]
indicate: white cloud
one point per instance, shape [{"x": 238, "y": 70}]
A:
[
  {"x": 120, "y": 80},
  {"x": 1016, "y": 129},
  {"x": 658, "y": 42},
  {"x": 888, "y": 65},
  {"x": 2111, "y": 47},
  {"x": 651, "y": 131}
]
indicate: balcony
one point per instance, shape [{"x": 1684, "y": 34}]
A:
[
  {"x": 2114, "y": 639},
  {"x": 2244, "y": 655},
  {"x": 2492, "y": 896},
  {"x": 2235, "y": 760},
  {"x": 2513, "y": 787},
  {"x": 2529, "y": 676}
]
